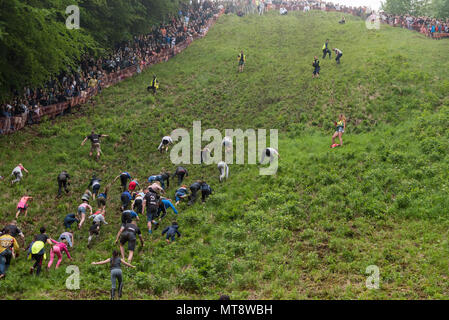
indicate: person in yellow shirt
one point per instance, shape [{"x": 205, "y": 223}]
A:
[
  {"x": 341, "y": 126},
  {"x": 9, "y": 248}
]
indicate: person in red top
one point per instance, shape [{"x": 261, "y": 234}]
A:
[{"x": 23, "y": 205}]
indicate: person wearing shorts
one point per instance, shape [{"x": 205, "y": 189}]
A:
[
  {"x": 22, "y": 206},
  {"x": 82, "y": 208},
  {"x": 127, "y": 234},
  {"x": 95, "y": 183},
  {"x": 95, "y": 140},
  {"x": 152, "y": 202}
]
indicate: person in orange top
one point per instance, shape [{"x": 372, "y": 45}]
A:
[{"x": 23, "y": 206}]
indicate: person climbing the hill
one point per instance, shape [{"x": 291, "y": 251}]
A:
[
  {"x": 171, "y": 231},
  {"x": 326, "y": 50},
  {"x": 82, "y": 212},
  {"x": 37, "y": 250},
  {"x": 269, "y": 152},
  {"x": 227, "y": 143},
  {"x": 154, "y": 85},
  {"x": 22, "y": 206},
  {"x": 194, "y": 188},
  {"x": 152, "y": 202},
  {"x": 94, "y": 230},
  {"x": 342, "y": 21},
  {"x": 156, "y": 187},
  {"x": 67, "y": 236},
  {"x": 124, "y": 177},
  {"x": 95, "y": 183},
  {"x": 224, "y": 170},
  {"x": 167, "y": 204},
  {"x": 341, "y": 126},
  {"x": 17, "y": 173},
  {"x": 13, "y": 230},
  {"x": 86, "y": 195},
  {"x": 128, "y": 216},
  {"x": 116, "y": 272},
  {"x": 63, "y": 180},
  {"x": 95, "y": 140},
  {"x": 138, "y": 202},
  {"x": 133, "y": 185},
  {"x": 58, "y": 249},
  {"x": 9, "y": 248},
  {"x": 242, "y": 60},
  {"x": 125, "y": 198},
  {"x": 181, "y": 194},
  {"x": 128, "y": 234},
  {"x": 102, "y": 197},
  {"x": 206, "y": 191},
  {"x": 316, "y": 65},
  {"x": 161, "y": 178},
  {"x": 339, "y": 54},
  {"x": 69, "y": 220},
  {"x": 99, "y": 216},
  {"x": 180, "y": 172},
  {"x": 205, "y": 155},
  {"x": 166, "y": 141}
]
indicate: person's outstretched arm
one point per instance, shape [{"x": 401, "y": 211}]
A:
[
  {"x": 25, "y": 170},
  {"x": 102, "y": 262},
  {"x": 67, "y": 252},
  {"x": 173, "y": 207},
  {"x": 84, "y": 141},
  {"x": 165, "y": 230},
  {"x": 127, "y": 264}
]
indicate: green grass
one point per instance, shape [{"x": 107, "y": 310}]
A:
[{"x": 310, "y": 231}]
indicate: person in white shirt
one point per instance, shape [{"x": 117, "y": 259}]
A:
[
  {"x": 166, "y": 141},
  {"x": 227, "y": 143},
  {"x": 223, "y": 169},
  {"x": 269, "y": 152},
  {"x": 17, "y": 172},
  {"x": 339, "y": 53}
]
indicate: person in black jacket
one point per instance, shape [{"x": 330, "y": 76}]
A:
[
  {"x": 206, "y": 191},
  {"x": 194, "y": 188},
  {"x": 316, "y": 65},
  {"x": 181, "y": 172},
  {"x": 171, "y": 231},
  {"x": 63, "y": 181}
]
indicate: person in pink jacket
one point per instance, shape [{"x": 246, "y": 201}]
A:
[
  {"x": 57, "y": 249},
  {"x": 23, "y": 205}
]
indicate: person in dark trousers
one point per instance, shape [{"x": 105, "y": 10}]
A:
[
  {"x": 37, "y": 248},
  {"x": 9, "y": 248},
  {"x": 95, "y": 183},
  {"x": 69, "y": 220},
  {"x": 194, "y": 188},
  {"x": 154, "y": 85},
  {"x": 126, "y": 200},
  {"x": 180, "y": 172},
  {"x": 124, "y": 177},
  {"x": 63, "y": 181},
  {"x": 152, "y": 202},
  {"x": 326, "y": 49},
  {"x": 116, "y": 272},
  {"x": 171, "y": 231},
  {"x": 316, "y": 65},
  {"x": 102, "y": 197},
  {"x": 339, "y": 54},
  {"x": 206, "y": 191},
  {"x": 128, "y": 233}
]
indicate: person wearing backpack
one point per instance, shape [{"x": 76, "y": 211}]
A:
[{"x": 152, "y": 202}]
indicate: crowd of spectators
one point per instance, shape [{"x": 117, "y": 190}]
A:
[
  {"x": 27, "y": 106},
  {"x": 431, "y": 27}
]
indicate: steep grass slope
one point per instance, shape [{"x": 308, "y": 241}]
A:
[{"x": 311, "y": 230}]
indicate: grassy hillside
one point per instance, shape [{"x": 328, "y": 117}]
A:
[{"x": 308, "y": 232}]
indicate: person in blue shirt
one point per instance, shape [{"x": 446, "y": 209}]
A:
[
  {"x": 126, "y": 200},
  {"x": 171, "y": 231},
  {"x": 95, "y": 183},
  {"x": 124, "y": 177},
  {"x": 102, "y": 197},
  {"x": 181, "y": 194},
  {"x": 167, "y": 204},
  {"x": 161, "y": 178}
]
